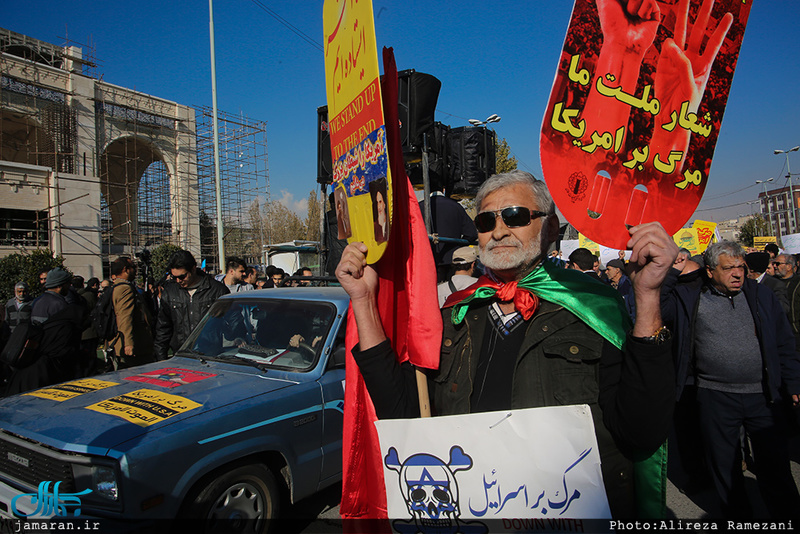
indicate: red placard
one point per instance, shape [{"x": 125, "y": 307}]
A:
[{"x": 635, "y": 111}]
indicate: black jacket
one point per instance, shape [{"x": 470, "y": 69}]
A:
[
  {"x": 779, "y": 287},
  {"x": 90, "y": 298},
  {"x": 16, "y": 316},
  {"x": 179, "y": 313},
  {"x": 793, "y": 298},
  {"x": 58, "y": 350},
  {"x": 780, "y": 362},
  {"x": 47, "y": 305},
  {"x": 562, "y": 361},
  {"x": 449, "y": 219}
]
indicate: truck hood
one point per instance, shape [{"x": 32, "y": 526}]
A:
[{"x": 96, "y": 414}]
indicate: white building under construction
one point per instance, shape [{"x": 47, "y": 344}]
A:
[{"x": 92, "y": 170}]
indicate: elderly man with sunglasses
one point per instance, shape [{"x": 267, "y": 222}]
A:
[
  {"x": 784, "y": 265},
  {"x": 529, "y": 334}
]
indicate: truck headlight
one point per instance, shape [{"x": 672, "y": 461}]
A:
[{"x": 104, "y": 483}]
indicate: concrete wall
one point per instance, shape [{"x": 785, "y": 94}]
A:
[
  {"x": 73, "y": 207},
  {"x": 75, "y": 229}
]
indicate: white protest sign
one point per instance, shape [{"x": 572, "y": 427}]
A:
[
  {"x": 791, "y": 243},
  {"x": 467, "y": 470},
  {"x": 568, "y": 246},
  {"x": 608, "y": 254}
]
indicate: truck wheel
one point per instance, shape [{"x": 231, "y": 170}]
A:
[{"x": 245, "y": 499}]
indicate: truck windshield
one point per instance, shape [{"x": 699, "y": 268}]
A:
[{"x": 262, "y": 332}]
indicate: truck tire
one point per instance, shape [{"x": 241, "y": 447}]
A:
[{"x": 245, "y": 499}]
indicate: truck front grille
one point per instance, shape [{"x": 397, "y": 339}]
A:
[{"x": 31, "y": 467}]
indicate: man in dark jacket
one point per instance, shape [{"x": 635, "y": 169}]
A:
[
  {"x": 584, "y": 261},
  {"x": 734, "y": 343},
  {"x": 184, "y": 301},
  {"x": 448, "y": 219},
  {"x": 57, "y": 288},
  {"x": 793, "y": 298},
  {"x": 498, "y": 353},
  {"x": 757, "y": 263},
  {"x": 59, "y": 344},
  {"x": 18, "y": 309},
  {"x": 615, "y": 270}
]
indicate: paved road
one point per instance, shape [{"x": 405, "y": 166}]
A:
[
  {"x": 321, "y": 513},
  {"x": 704, "y": 505}
]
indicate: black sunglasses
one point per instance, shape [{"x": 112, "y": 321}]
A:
[
  {"x": 513, "y": 217},
  {"x": 180, "y": 276}
]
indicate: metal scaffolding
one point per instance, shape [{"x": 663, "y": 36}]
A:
[{"x": 244, "y": 172}]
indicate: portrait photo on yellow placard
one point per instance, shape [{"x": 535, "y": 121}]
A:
[
  {"x": 145, "y": 407},
  {"x": 343, "y": 224},
  {"x": 356, "y": 125},
  {"x": 380, "y": 217},
  {"x": 70, "y": 390}
]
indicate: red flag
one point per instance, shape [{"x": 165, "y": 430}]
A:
[{"x": 410, "y": 314}]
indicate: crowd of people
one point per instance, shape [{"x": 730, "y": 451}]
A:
[
  {"x": 81, "y": 328},
  {"x": 702, "y": 348}
]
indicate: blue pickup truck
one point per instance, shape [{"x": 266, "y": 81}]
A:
[{"x": 249, "y": 409}]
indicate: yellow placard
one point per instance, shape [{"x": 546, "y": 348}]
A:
[
  {"x": 687, "y": 238},
  {"x": 760, "y": 242},
  {"x": 69, "y": 390},
  {"x": 588, "y": 244},
  {"x": 705, "y": 233},
  {"x": 362, "y": 184},
  {"x": 145, "y": 407}
]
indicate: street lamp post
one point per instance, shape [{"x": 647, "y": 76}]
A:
[
  {"x": 766, "y": 201},
  {"x": 791, "y": 188},
  {"x": 217, "y": 178}
]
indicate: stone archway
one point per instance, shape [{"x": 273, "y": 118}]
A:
[{"x": 123, "y": 163}]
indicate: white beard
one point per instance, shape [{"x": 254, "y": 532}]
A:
[{"x": 525, "y": 255}]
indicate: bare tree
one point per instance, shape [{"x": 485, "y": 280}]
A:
[
  {"x": 273, "y": 222},
  {"x": 314, "y": 216}
]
